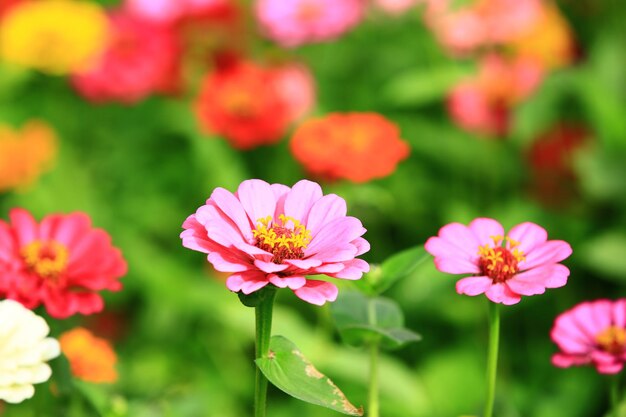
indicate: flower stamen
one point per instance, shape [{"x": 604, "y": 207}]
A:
[
  {"x": 285, "y": 239},
  {"x": 612, "y": 340},
  {"x": 500, "y": 263},
  {"x": 46, "y": 259}
]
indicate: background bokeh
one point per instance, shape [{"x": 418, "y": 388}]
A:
[{"x": 185, "y": 343}]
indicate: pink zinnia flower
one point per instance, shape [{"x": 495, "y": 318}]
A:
[
  {"x": 61, "y": 263},
  {"x": 272, "y": 234},
  {"x": 141, "y": 59},
  {"x": 592, "y": 333},
  {"x": 296, "y": 22},
  {"x": 523, "y": 262}
]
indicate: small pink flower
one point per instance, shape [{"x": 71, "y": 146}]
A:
[
  {"x": 296, "y": 85},
  {"x": 296, "y": 22},
  {"x": 272, "y": 234},
  {"x": 523, "y": 262},
  {"x": 172, "y": 11},
  {"x": 61, "y": 263},
  {"x": 592, "y": 332}
]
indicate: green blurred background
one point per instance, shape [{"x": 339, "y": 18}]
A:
[{"x": 185, "y": 343}]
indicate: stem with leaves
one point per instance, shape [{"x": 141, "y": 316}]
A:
[
  {"x": 615, "y": 396},
  {"x": 373, "y": 401},
  {"x": 263, "y": 316},
  {"x": 492, "y": 357}
]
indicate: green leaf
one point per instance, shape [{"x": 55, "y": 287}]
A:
[
  {"x": 394, "y": 268},
  {"x": 62, "y": 375},
  {"x": 362, "y": 320},
  {"x": 288, "y": 369},
  {"x": 424, "y": 85}
]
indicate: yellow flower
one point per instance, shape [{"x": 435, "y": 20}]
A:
[
  {"x": 91, "y": 358},
  {"x": 25, "y": 154},
  {"x": 54, "y": 36}
]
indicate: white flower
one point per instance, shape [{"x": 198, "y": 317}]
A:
[{"x": 24, "y": 349}]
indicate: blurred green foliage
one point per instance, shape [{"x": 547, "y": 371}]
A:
[{"x": 186, "y": 344}]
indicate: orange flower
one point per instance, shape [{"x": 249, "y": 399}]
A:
[
  {"x": 91, "y": 359},
  {"x": 242, "y": 103},
  {"x": 355, "y": 146},
  {"x": 25, "y": 154}
]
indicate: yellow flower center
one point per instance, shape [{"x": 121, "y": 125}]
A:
[
  {"x": 285, "y": 239},
  {"x": 612, "y": 340},
  {"x": 500, "y": 263},
  {"x": 46, "y": 259}
]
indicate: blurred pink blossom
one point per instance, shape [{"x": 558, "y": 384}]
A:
[
  {"x": 594, "y": 333},
  {"x": 141, "y": 59},
  {"x": 276, "y": 235},
  {"x": 170, "y": 11},
  {"x": 482, "y": 104},
  {"x": 296, "y": 85},
  {"x": 504, "y": 267},
  {"x": 296, "y": 22}
]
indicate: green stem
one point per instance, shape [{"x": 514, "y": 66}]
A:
[
  {"x": 373, "y": 389},
  {"x": 492, "y": 357},
  {"x": 615, "y": 396},
  {"x": 263, "y": 316}
]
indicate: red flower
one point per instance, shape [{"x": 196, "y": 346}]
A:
[
  {"x": 142, "y": 58},
  {"x": 354, "y": 146},
  {"x": 243, "y": 104},
  {"x": 61, "y": 263}
]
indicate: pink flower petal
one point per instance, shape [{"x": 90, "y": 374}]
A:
[
  {"x": 525, "y": 287},
  {"x": 24, "y": 225},
  {"x": 317, "y": 292},
  {"x": 549, "y": 252},
  {"x": 335, "y": 233},
  {"x": 443, "y": 248},
  {"x": 500, "y": 293},
  {"x": 330, "y": 268},
  {"x": 232, "y": 208},
  {"x": 456, "y": 266},
  {"x": 610, "y": 368},
  {"x": 324, "y": 210},
  {"x": 484, "y": 229},
  {"x": 246, "y": 282},
  {"x": 352, "y": 270},
  {"x": 570, "y": 339},
  {"x": 619, "y": 313},
  {"x": 280, "y": 194},
  {"x": 563, "y": 360},
  {"x": 529, "y": 235},
  {"x": 303, "y": 263},
  {"x": 550, "y": 276},
  {"x": 362, "y": 246},
  {"x": 583, "y": 317},
  {"x": 227, "y": 263},
  {"x": 473, "y": 285},
  {"x": 301, "y": 198},
  {"x": 601, "y": 312},
  {"x": 257, "y": 199},
  {"x": 461, "y": 237},
  {"x": 293, "y": 282},
  {"x": 269, "y": 267}
]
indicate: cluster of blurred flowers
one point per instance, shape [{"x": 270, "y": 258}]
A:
[
  {"x": 516, "y": 43},
  {"x": 61, "y": 263},
  {"x": 141, "y": 48}
]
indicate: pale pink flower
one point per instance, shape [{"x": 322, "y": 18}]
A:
[
  {"x": 295, "y": 22},
  {"x": 593, "y": 332},
  {"x": 296, "y": 85},
  {"x": 504, "y": 267},
  {"x": 272, "y": 234},
  {"x": 472, "y": 109}
]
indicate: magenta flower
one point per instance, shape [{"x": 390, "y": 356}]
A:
[
  {"x": 592, "y": 333},
  {"x": 296, "y": 22},
  {"x": 523, "y": 262},
  {"x": 272, "y": 234}
]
